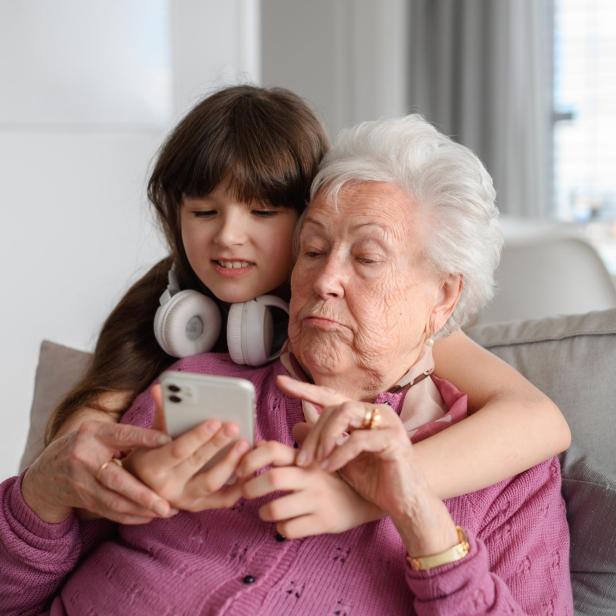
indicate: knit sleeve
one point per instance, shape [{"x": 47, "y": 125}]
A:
[
  {"x": 518, "y": 562},
  {"x": 34, "y": 556}
]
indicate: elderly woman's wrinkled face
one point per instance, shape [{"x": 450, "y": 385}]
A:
[{"x": 362, "y": 291}]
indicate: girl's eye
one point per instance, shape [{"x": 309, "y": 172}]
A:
[
  {"x": 204, "y": 213},
  {"x": 264, "y": 213}
]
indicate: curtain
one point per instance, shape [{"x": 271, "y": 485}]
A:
[{"x": 481, "y": 71}]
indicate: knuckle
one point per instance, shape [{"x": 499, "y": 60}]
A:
[
  {"x": 113, "y": 481},
  {"x": 179, "y": 450},
  {"x": 116, "y": 504},
  {"x": 73, "y": 460},
  {"x": 348, "y": 410},
  {"x": 197, "y": 459},
  {"x": 220, "y": 438},
  {"x": 270, "y": 446},
  {"x": 144, "y": 499},
  {"x": 136, "y": 436},
  {"x": 275, "y": 478},
  {"x": 209, "y": 484},
  {"x": 76, "y": 450},
  {"x": 87, "y": 428},
  {"x": 90, "y": 503}
]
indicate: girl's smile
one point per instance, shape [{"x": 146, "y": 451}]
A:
[{"x": 233, "y": 268}]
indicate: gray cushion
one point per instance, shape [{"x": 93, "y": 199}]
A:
[
  {"x": 59, "y": 368},
  {"x": 573, "y": 360}
]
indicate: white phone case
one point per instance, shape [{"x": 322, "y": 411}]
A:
[{"x": 189, "y": 399}]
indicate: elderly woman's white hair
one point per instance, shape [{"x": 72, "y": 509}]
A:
[{"x": 446, "y": 180}]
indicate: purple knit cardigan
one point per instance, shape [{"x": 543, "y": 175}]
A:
[{"x": 230, "y": 562}]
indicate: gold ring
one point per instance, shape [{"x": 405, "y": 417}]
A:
[
  {"x": 365, "y": 424},
  {"x": 104, "y": 465},
  {"x": 375, "y": 420}
]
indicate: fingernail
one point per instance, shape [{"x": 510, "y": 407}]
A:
[
  {"x": 173, "y": 511},
  {"x": 302, "y": 458},
  {"x": 241, "y": 447},
  {"x": 161, "y": 508},
  {"x": 162, "y": 439},
  {"x": 325, "y": 464},
  {"x": 212, "y": 426},
  {"x": 230, "y": 429}
]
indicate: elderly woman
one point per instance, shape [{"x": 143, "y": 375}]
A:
[{"x": 398, "y": 245}]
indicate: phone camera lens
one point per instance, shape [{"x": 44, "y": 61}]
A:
[
  {"x": 173, "y": 388},
  {"x": 175, "y": 398}
]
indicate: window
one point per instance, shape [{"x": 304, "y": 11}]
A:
[{"x": 585, "y": 110}]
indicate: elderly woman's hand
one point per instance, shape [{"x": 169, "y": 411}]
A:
[
  {"x": 176, "y": 470},
  {"x": 68, "y": 475},
  {"x": 378, "y": 463}
]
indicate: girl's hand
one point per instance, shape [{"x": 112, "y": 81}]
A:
[
  {"x": 316, "y": 501},
  {"x": 175, "y": 471},
  {"x": 64, "y": 476},
  {"x": 378, "y": 463}
]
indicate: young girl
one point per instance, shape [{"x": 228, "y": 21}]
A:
[{"x": 228, "y": 187}]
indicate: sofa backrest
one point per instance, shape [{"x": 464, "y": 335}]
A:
[{"x": 573, "y": 360}]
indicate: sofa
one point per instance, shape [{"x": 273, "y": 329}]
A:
[{"x": 571, "y": 358}]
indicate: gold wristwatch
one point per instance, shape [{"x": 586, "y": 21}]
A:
[{"x": 457, "y": 552}]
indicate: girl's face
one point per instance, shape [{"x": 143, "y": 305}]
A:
[{"x": 238, "y": 250}]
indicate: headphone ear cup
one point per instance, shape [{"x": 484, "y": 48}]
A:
[
  {"x": 250, "y": 331},
  {"x": 188, "y": 324}
]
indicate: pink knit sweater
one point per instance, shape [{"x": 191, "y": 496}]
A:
[{"x": 230, "y": 562}]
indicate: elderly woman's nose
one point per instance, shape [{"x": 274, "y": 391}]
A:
[
  {"x": 330, "y": 278},
  {"x": 231, "y": 229}
]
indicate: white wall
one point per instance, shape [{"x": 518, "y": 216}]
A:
[{"x": 87, "y": 91}]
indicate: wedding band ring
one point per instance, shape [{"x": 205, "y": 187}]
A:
[
  {"x": 368, "y": 422},
  {"x": 365, "y": 425},
  {"x": 375, "y": 420},
  {"x": 104, "y": 465}
]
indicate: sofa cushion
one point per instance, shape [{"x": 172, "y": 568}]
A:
[
  {"x": 59, "y": 368},
  {"x": 573, "y": 360}
]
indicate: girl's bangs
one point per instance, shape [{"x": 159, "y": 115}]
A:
[{"x": 264, "y": 172}]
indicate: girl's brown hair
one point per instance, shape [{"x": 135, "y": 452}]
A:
[{"x": 267, "y": 144}]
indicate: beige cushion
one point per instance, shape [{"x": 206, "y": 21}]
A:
[
  {"x": 59, "y": 368},
  {"x": 573, "y": 360}
]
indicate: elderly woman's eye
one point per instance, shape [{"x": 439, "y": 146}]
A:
[
  {"x": 312, "y": 253},
  {"x": 367, "y": 260}
]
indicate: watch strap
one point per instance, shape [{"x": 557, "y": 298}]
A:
[{"x": 457, "y": 552}]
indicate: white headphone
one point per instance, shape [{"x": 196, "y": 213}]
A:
[{"x": 188, "y": 322}]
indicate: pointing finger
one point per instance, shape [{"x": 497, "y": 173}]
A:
[{"x": 323, "y": 396}]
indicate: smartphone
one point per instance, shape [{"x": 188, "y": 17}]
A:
[{"x": 189, "y": 399}]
